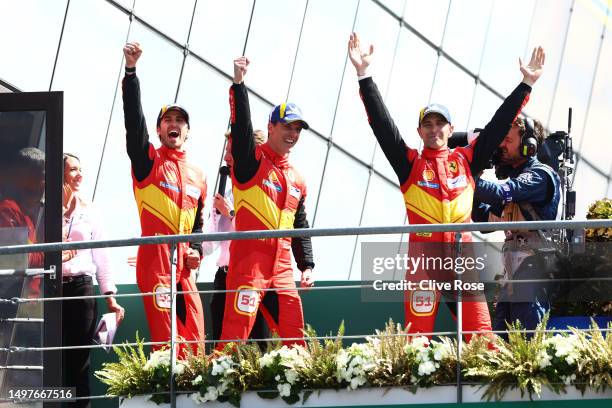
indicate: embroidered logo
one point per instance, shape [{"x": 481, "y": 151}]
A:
[
  {"x": 192, "y": 191},
  {"x": 457, "y": 182},
  {"x": 428, "y": 175},
  {"x": 170, "y": 186},
  {"x": 272, "y": 182},
  {"x": 295, "y": 192},
  {"x": 428, "y": 184}
]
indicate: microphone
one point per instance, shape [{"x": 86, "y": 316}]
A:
[{"x": 224, "y": 171}]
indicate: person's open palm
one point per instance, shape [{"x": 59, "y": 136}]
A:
[
  {"x": 533, "y": 70},
  {"x": 361, "y": 59}
]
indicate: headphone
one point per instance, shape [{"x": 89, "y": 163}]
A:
[{"x": 529, "y": 143}]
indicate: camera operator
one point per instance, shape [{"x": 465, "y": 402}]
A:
[{"x": 530, "y": 192}]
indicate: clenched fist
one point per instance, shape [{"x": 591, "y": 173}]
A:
[
  {"x": 132, "y": 52},
  {"x": 240, "y": 69}
]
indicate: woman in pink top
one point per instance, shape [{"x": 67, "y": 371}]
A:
[{"x": 82, "y": 223}]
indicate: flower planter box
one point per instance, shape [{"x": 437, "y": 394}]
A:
[{"x": 383, "y": 397}]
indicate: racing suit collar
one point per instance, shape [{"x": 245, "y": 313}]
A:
[
  {"x": 435, "y": 154},
  {"x": 282, "y": 162},
  {"x": 173, "y": 154}
]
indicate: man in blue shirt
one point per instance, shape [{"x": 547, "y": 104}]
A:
[{"x": 531, "y": 192}]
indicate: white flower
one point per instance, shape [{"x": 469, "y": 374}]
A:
[
  {"x": 211, "y": 394},
  {"x": 543, "y": 359},
  {"x": 267, "y": 359},
  {"x": 284, "y": 389},
  {"x": 565, "y": 347},
  {"x": 158, "y": 358},
  {"x": 420, "y": 342},
  {"x": 197, "y": 398},
  {"x": 222, "y": 366},
  {"x": 291, "y": 376},
  {"x": 571, "y": 358},
  {"x": 278, "y": 377},
  {"x": 356, "y": 382},
  {"x": 423, "y": 356},
  {"x": 440, "y": 350},
  {"x": 217, "y": 369},
  {"x": 179, "y": 369},
  {"x": 426, "y": 368},
  {"x": 197, "y": 380}
]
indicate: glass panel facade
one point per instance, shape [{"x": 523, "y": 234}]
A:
[
  {"x": 299, "y": 52},
  {"x": 22, "y": 198}
]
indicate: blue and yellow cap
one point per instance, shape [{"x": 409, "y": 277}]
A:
[
  {"x": 434, "y": 108},
  {"x": 287, "y": 113},
  {"x": 166, "y": 108}
]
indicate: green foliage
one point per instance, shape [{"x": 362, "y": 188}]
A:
[
  {"x": 391, "y": 358},
  {"x": 601, "y": 210},
  {"x": 320, "y": 370}
]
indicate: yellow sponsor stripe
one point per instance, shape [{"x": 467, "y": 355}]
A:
[
  {"x": 159, "y": 204},
  {"x": 422, "y": 214},
  {"x": 263, "y": 208},
  {"x": 424, "y": 204},
  {"x": 461, "y": 206}
]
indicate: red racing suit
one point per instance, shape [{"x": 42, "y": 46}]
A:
[
  {"x": 438, "y": 187},
  {"x": 169, "y": 193},
  {"x": 268, "y": 194},
  {"x": 11, "y": 216}
]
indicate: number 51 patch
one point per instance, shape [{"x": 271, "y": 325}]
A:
[
  {"x": 246, "y": 300},
  {"x": 423, "y": 302}
]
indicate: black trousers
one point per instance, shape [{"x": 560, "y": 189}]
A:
[
  {"x": 260, "y": 329},
  {"x": 78, "y": 328}
]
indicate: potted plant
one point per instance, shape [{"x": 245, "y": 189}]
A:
[{"x": 586, "y": 296}]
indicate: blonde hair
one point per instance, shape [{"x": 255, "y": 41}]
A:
[{"x": 258, "y": 134}]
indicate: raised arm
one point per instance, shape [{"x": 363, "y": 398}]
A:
[
  {"x": 137, "y": 137},
  {"x": 243, "y": 142},
  {"x": 496, "y": 130},
  {"x": 380, "y": 120}
]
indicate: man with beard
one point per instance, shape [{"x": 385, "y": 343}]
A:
[
  {"x": 169, "y": 193},
  {"x": 531, "y": 192}
]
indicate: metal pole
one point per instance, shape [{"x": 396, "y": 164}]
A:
[
  {"x": 172, "y": 324},
  {"x": 459, "y": 326}
]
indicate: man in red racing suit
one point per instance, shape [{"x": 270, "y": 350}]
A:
[
  {"x": 169, "y": 193},
  {"x": 269, "y": 194},
  {"x": 438, "y": 184}
]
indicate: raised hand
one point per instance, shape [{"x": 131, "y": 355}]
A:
[
  {"x": 533, "y": 70},
  {"x": 240, "y": 69},
  {"x": 361, "y": 59},
  {"x": 132, "y": 52}
]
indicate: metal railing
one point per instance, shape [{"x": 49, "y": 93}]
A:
[{"x": 173, "y": 240}]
